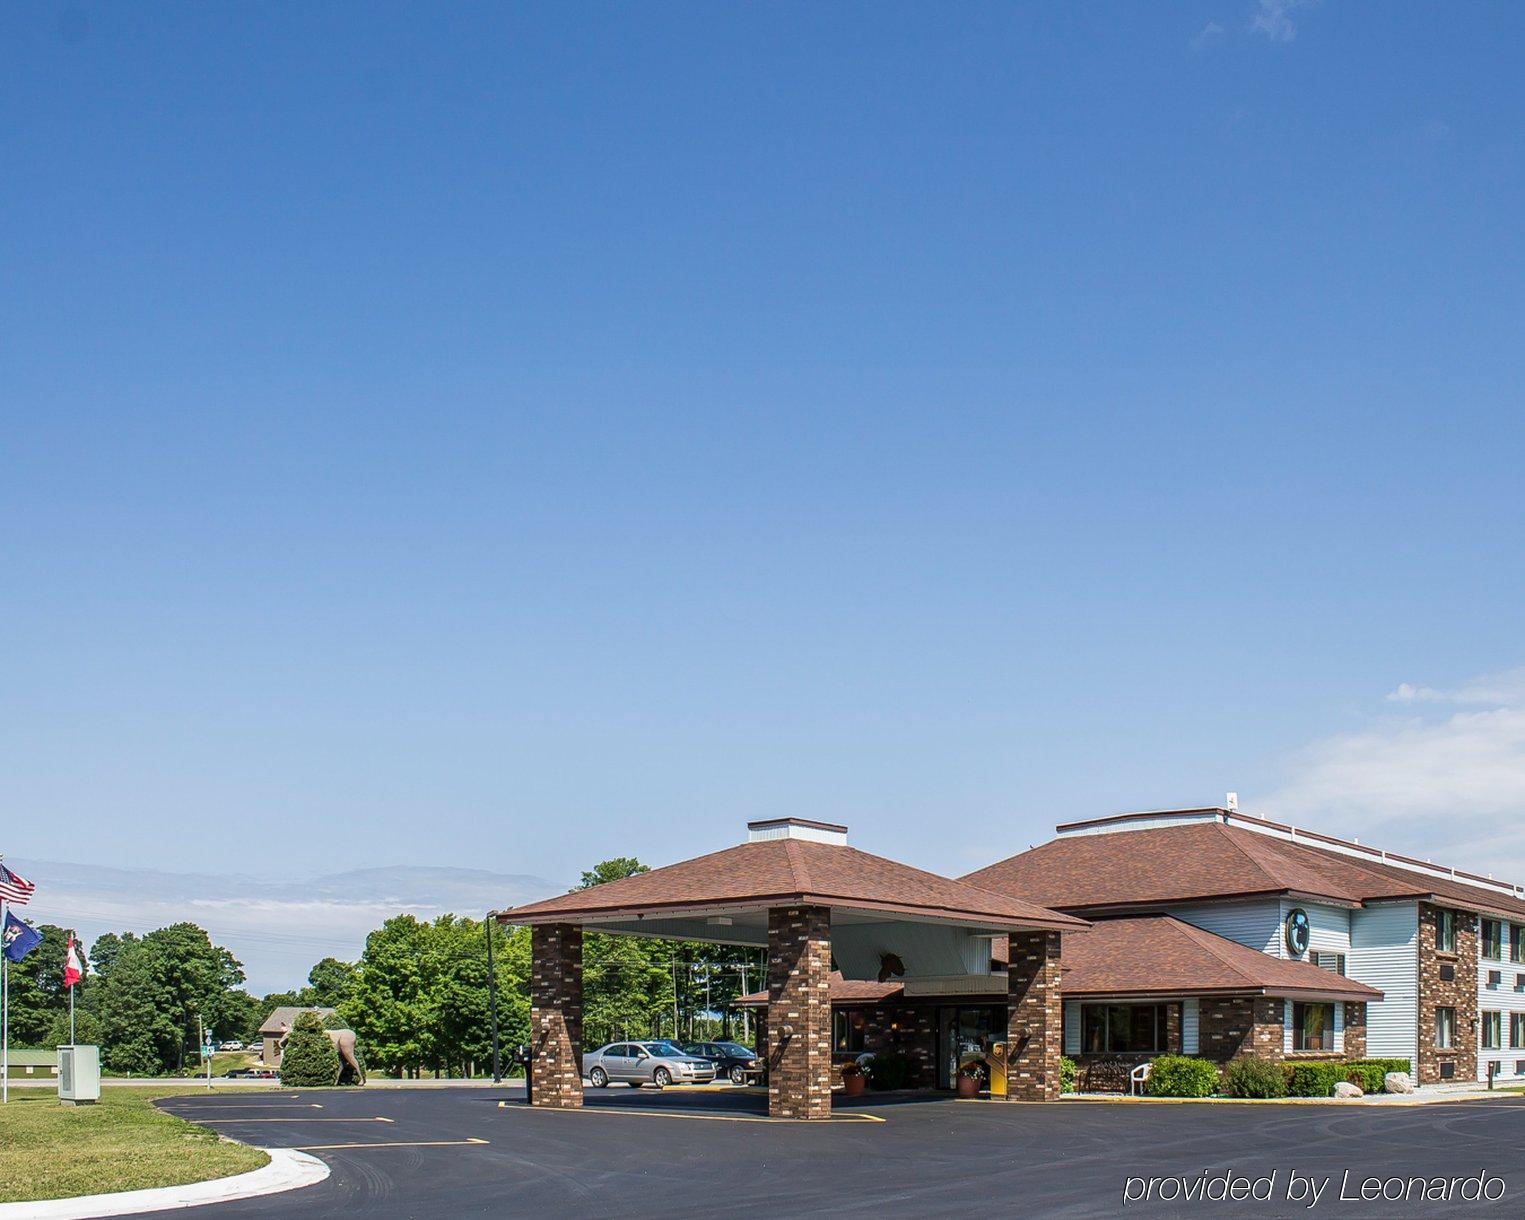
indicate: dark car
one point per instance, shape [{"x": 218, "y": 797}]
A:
[{"x": 732, "y": 1060}]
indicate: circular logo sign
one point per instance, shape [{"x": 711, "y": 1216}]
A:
[{"x": 1298, "y": 929}]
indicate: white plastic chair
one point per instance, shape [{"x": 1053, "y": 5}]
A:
[{"x": 1138, "y": 1078}]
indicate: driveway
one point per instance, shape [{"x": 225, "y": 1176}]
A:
[{"x": 481, "y": 1151}]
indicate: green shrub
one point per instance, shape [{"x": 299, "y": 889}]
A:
[
  {"x": 1067, "y": 1073},
  {"x": 1254, "y": 1078},
  {"x": 1318, "y": 1079},
  {"x": 1369, "y": 1073},
  {"x": 309, "y": 1058},
  {"x": 1182, "y": 1076},
  {"x": 890, "y": 1070}
]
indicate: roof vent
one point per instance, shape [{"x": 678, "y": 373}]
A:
[
  {"x": 1231, "y": 802},
  {"x": 796, "y": 828}
]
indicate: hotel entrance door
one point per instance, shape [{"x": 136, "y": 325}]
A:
[{"x": 970, "y": 1034}]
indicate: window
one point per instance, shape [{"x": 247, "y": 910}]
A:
[
  {"x": 1123, "y": 1029},
  {"x": 1516, "y": 943},
  {"x": 1445, "y": 1028},
  {"x": 1445, "y": 931},
  {"x": 847, "y": 1026},
  {"x": 1493, "y": 1026},
  {"x": 1333, "y": 962},
  {"x": 1519, "y": 982},
  {"x": 1493, "y": 939},
  {"x": 1517, "y": 1031},
  {"x": 1313, "y": 1027},
  {"x": 1495, "y": 979}
]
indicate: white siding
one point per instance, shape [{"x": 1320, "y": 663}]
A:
[
  {"x": 1072, "y": 1027},
  {"x": 1505, "y": 1000},
  {"x": 1328, "y": 928},
  {"x": 1256, "y": 924},
  {"x": 1339, "y": 1027},
  {"x": 1384, "y": 953},
  {"x": 1286, "y": 1026},
  {"x": 1190, "y": 1027}
]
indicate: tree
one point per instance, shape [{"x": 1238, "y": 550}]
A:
[
  {"x": 37, "y": 988},
  {"x": 139, "y": 1031},
  {"x": 329, "y": 983},
  {"x": 309, "y": 1059}
]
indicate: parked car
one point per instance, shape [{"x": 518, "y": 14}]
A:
[
  {"x": 234, "y": 1045},
  {"x": 254, "y": 1073},
  {"x": 732, "y": 1060},
  {"x": 638, "y": 1063}
]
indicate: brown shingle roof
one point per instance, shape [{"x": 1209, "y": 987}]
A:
[
  {"x": 280, "y": 1019},
  {"x": 782, "y": 871},
  {"x": 1160, "y": 955},
  {"x": 1195, "y": 860}
]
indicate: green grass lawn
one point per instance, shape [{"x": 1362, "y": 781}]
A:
[{"x": 52, "y": 1151}]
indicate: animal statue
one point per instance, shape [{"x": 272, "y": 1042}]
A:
[
  {"x": 890, "y": 966},
  {"x": 344, "y": 1043}
]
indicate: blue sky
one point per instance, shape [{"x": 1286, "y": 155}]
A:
[{"x": 511, "y": 437}]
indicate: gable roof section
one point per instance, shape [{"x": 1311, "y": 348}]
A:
[
  {"x": 1160, "y": 955},
  {"x": 779, "y": 872},
  {"x": 280, "y": 1019},
  {"x": 1196, "y": 861}
]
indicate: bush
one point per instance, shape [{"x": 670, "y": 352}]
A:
[
  {"x": 1182, "y": 1076},
  {"x": 891, "y": 1070},
  {"x": 309, "y": 1058},
  {"x": 1254, "y": 1078},
  {"x": 1319, "y": 1079},
  {"x": 1067, "y": 1073}
]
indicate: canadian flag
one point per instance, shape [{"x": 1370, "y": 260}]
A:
[{"x": 74, "y": 964}]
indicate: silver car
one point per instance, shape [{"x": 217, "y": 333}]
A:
[{"x": 638, "y": 1063}]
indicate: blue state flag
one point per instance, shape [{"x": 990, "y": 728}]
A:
[{"x": 20, "y": 938}]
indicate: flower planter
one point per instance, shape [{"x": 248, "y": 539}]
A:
[
  {"x": 854, "y": 1085},
  {"x": 968, "y": 1086}
]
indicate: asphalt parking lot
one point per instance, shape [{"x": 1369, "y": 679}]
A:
[{"x": 684, "y": 1152}]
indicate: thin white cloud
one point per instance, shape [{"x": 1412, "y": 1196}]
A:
[
  {"x": 1446, "y": 781},
  {"x": 1273, "y": 18},
  {"x": 1207, "y": 36},
  {"x": 1505, "y": 689}
]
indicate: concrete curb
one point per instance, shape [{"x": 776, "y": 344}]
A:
[{"x": 288, "y": 1170}]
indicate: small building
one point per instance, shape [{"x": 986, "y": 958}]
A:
[
  {"x": 34, "y": 1064},
  {"x": 277, "y": 1025}
]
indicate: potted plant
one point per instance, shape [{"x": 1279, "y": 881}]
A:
[
  {"x": 854, "y": 1082},
  {"x": 970, "y": 1077}
]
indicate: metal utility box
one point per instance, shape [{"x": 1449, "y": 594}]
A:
[{"x": 79, "y": 1075}]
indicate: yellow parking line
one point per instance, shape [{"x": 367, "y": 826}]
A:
[
  {"x": 394, "y": 1144},
  {"x": 711, "y": 1118}
]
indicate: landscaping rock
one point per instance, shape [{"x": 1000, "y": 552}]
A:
[
  {"x": 1346, "y": 1091},
  {"x": 1397, "y": 1082}
]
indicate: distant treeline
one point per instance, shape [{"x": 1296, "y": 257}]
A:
[{"x": 416, "y": 999}]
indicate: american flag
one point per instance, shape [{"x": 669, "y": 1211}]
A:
[{"x": 15, "y": 888}]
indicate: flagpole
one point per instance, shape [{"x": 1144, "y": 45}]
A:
[{"x": 5, "y": 1014}]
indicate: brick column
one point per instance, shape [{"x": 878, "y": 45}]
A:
[
  {"x": 1034, "y": 1018},
  {"x": 556, "y": 1015},
  {"x": 799, "y": 1012}
]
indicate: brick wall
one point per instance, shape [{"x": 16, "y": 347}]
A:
[
  {"x": 1458, "y": 992},
  {"x": 1229, "y": 1027},
  {"x": 799, "y": 1012},
  {"x": 1355, "y": 1030},
  {"x": 556, "y": 1015},
  {"x": 1035, "y": 1022}
]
